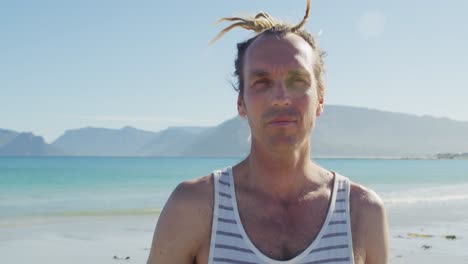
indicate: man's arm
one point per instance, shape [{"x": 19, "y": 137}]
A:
[
  {"x": 184, "y": 223},
  {"x": 370, "y": 226},
  {"x": 377, "y": 231}
]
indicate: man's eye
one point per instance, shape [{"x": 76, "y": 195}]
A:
[
  {"x": 262, "y": 83},
  {"x": 300, "y": 83}
]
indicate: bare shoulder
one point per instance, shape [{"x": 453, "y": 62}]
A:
[
  {"x": 369, "y": 225},
  {"x": 197, "y": 192},
  {"x": 365, "y": 201},
  {"x": 184, "y": 223},
  {"x": 192, "y": 198}
]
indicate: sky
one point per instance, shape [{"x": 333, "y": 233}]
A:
[{"x": 147, "y": 64}]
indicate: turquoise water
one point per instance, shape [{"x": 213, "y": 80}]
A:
[{"x": 71, "y": 186}]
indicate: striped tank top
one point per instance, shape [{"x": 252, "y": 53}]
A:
[{"x": 230, "y": 243}]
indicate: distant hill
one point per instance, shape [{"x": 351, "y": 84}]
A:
[
  {"x": 341, "y": 131},
  {"x": 228, "y": 139},
  {"x": 27, "y": 144},
  {"x": 354, "y": 131},
  {"x": 171, "y": 142},
  {"x": 92, "y": 141},
  {"x": 6, "y": 136},
  {"x": 190, "y": 129}
]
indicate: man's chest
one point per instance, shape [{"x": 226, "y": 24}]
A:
[{"x": 282, "y": 232}]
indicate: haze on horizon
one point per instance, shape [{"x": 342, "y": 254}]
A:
[{"x": 147, "y": 64}]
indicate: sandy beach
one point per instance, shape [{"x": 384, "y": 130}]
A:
[
  {"x": 429, "y": 232},
  {"x": 76, "y": 240},
  {"x": 111, "y": 239}
]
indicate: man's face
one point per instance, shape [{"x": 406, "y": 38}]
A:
[{"x": 280, "y": 91}]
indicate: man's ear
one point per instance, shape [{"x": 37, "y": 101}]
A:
[
  {"x": 241, "y": 107},
  {"x": 320, "y": 106}
]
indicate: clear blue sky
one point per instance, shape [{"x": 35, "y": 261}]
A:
[{"x": 71, "y": 64}]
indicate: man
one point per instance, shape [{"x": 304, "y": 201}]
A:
[{"x": 275, "y": 206}]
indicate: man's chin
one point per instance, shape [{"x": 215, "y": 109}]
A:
[{"x": 283, "y": 142}]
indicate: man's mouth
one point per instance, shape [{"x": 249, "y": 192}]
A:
[{"x": 282, "y": 121}]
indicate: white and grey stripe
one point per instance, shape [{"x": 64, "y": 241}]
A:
[{"x": 230, "y": 243}]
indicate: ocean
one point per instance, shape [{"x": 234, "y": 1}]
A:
[{"x": 103, "y": 186}]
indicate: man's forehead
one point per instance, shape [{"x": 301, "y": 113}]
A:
[
  {"x": 272, "y": 53},
  {"x": 277, "y": 69},
  {"x": 295, "y": 65}
]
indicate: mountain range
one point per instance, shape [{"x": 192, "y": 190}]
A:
[{"x": 341, "y": 131}]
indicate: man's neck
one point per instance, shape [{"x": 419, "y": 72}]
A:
[{"x": 281, "y": 175}]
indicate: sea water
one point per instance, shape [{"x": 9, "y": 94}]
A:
[{"x": 103, "y": 186}]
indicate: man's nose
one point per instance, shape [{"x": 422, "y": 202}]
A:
[{"x": 280, "y": 94}]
